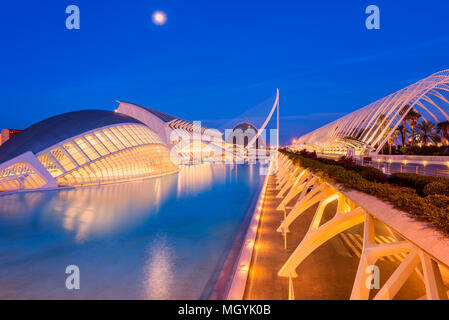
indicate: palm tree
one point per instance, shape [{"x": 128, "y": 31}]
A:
[
  {"x": 443, "y": 127},
  {"x": 396, "y": 134},
  {"x": 390, "y": 142},
  {"x": 427, "y": 132},
  {"x": 403, "y": 132},
  {"x": 403, "y": 126},
  {"x": 412, "y": 118}
]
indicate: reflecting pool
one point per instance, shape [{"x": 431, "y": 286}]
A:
[{"x": 163, "y": 238}]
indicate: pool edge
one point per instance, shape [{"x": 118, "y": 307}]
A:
[{"x": 232, "y": 280}]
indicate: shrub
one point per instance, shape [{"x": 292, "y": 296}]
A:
[
  {"x": 372, "y": 174},
  {"x": 328, "y": 161},
  {"x": 415, "y": 181},
  {"x": 308, "y": 154},
  {"x": 438, "y": 200},
  {"x": 348, "y": 163},
  {"x": 436, "y": 188},
  {"x": 425, "y": 150},
  {"x": 433, "y": 209}
]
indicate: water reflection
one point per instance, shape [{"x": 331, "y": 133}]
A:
[
  {"x": 19, "y": 203},
  {"x": 160, "y": 238},
  {"x": 195, "y": 179},
  {"x": 103, "y": 209},
  {"x": 159, "y": 269}
]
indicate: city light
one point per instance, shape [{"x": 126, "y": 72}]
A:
[{"x": 244, "y": 268}]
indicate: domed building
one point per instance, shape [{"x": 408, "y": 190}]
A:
[
  {"x": 242, "y": 134},
  {"x": 82, "y": 148}
]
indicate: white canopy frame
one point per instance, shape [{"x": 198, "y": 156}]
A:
[{"x": 372, "y": 125}]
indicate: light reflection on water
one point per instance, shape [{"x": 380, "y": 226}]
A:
[
  {"x": 159, "y": 269},
  {"x": 161, "y": 238},
  {"x": 103, "y": 209},
  {"x": 195, "y": 179}
]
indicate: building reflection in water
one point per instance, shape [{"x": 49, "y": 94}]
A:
[
  {"x": 154, "y": 239},
  {"x": 19, "y": 204},
  {"x": 103, "y": 209},
  {"x": 194, "y": 179}
]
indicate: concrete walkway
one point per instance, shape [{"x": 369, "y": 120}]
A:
[{"x": 328, "y": 273}]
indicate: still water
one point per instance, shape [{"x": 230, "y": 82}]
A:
[{"x": 162, "y": 238}]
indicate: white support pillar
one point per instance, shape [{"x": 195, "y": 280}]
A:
[
  {"x": 317, "y": 235},
  {"x": 435, "y": 289}
]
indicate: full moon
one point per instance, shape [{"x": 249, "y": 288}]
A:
[{"x": 159, "y": 18}]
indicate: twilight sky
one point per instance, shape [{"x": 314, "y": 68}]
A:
[{"x": 213, "y": 60}]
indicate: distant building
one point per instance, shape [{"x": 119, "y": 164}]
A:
[
  {"x": 243, "y": 133},
  {"x": 164, "y": 124},
  {"x": 97, "y": 146},
  {"x": 82, "y": 148},
  {"x": 240, "y": 138},
  {"x": 8, "y": 134}
]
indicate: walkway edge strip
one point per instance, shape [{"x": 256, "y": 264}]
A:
[{"x": 242, "y": 265}]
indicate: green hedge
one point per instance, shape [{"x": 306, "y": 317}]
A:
[
  {"x": 416, "y": 181},
  {"x": 371, "y": 174},
  {"x": 433, "y": 209},
  {"x": 436, "y": 188},
  {"x": 425, "y": 150}
]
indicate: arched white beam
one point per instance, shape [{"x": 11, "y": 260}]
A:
[
  {"x": 260, "y": 130},
  {"x": 427, "y": 110},
  {"x": 426, "y": 98},
  {"x": 363, "y": 124},
  {"x": 438, "y": 95}
]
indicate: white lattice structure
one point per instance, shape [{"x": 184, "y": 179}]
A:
[
  {"x": 368, "y": 129},
  {"x": 421, "y": 255}
]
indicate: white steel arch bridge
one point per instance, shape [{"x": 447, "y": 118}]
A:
[{"x": 368, "y": 129}]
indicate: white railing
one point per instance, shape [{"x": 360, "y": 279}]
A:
[
  {"x": 390, "y": 168},
  {"x": 420, "y": 248}
]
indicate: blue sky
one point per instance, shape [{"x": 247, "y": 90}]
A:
[{"x": 213, "y": 60}]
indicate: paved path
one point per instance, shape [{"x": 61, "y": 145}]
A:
[{"x": 328, "y": 273}]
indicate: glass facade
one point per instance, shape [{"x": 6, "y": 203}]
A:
[
  {"x": 141, "y": 161},
  {"x": 20, "y": 176},
  {"x": 118, "y": 153}
]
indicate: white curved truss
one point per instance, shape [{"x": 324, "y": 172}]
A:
[
  {"x": 379, "y": 244},
  {"x": 260, "y": 130},
  {"x": 368, "y": 129},
  {"x": 24, "y": 172}
]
